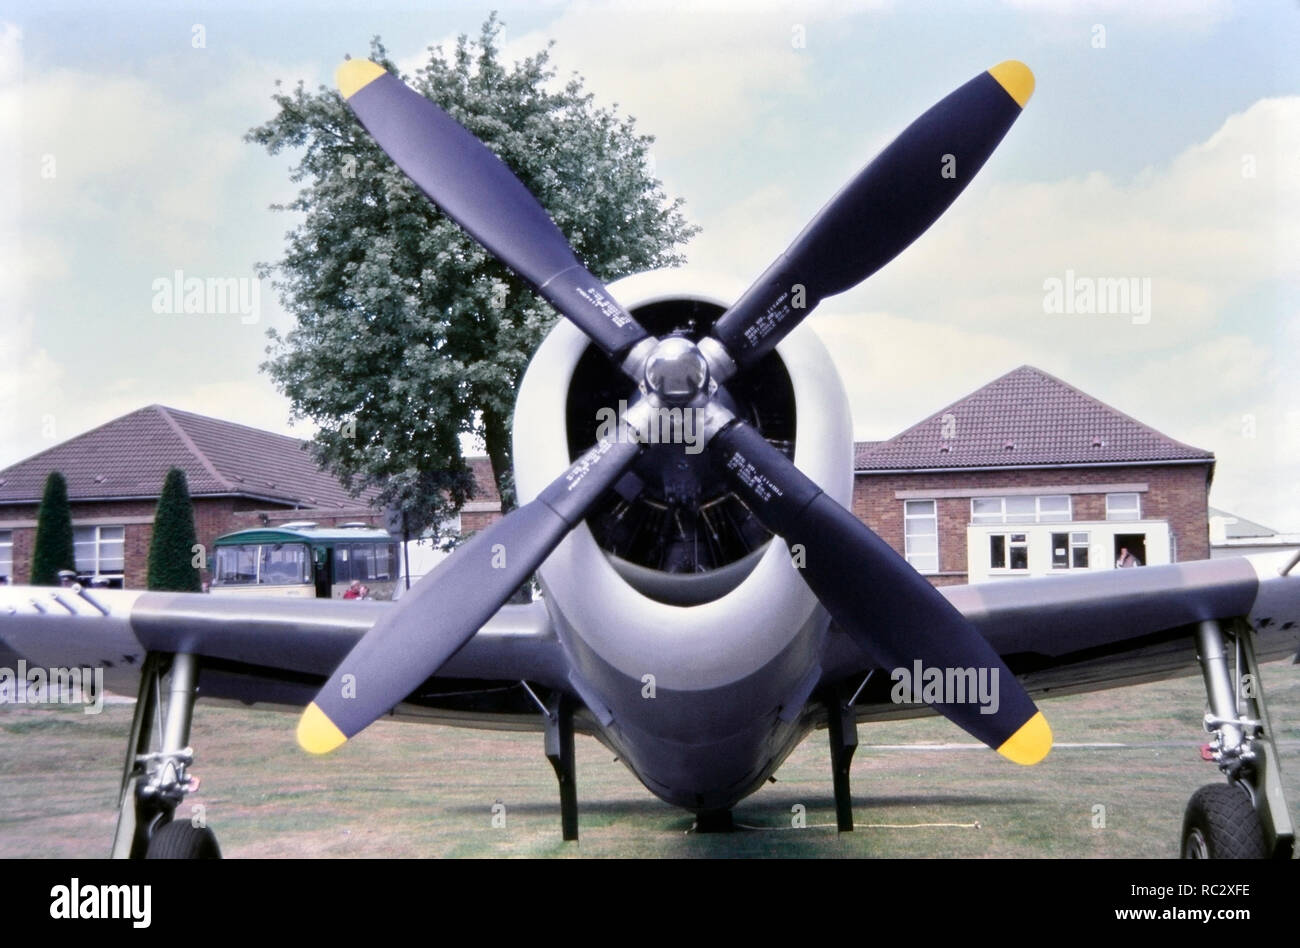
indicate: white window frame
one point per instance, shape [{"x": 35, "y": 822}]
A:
[
  {"x": 1074, "y": 540},
  {"x": 1000, "y": 517},
  {"x": 1136, "y": 511},
  {"x": 1007, "y": 544},
  {"x": 7, "y": 554},
  {"x": 98, "y": 534},
  {"x": 933, "y": 517}
]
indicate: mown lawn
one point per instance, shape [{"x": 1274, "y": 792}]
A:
[{"x": 410, "y": 790}]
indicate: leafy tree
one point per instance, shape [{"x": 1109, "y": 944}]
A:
[
  {"x": 171, "y": 549},
  {"x": 408, "y": 334},
  {"x": 53, "y": 549}
]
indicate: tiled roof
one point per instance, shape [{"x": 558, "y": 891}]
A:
[
  {"x": 130, "y": 456},
  {"x": 1026, "y": 417}
]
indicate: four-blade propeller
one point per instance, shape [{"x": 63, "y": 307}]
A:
[{"x": 872, "y": 593}]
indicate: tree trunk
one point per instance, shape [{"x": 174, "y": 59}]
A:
[{"x": 496, "y": 437}]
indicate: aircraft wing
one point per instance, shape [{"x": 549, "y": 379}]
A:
[
  {"x": 1096, "y": 630},
  {"x": 276, "y": 652}
]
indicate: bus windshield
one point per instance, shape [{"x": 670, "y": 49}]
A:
[{"x": 264, "y": 564}]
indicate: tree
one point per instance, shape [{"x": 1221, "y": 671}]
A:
[
  {"x": 408, "y": 334},
  {"x": 53, "y": 550},
  {"x": 171, "y": 549}
]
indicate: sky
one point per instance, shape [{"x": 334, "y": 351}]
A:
[{"x": 1162, "y": 146}]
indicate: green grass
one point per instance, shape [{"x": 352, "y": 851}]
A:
[{"x": 411, "y": 790}]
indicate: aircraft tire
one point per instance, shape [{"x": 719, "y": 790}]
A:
[
  {"x": 1221, "y": 823},
  {"x": 181, "y": 840}
]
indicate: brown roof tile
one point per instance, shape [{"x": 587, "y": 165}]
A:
[
  {"x": 1026, "y": 417},
  {"x": 130, "y": 456}
]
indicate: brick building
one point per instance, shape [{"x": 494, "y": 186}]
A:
[
  {"x": 238, "y": 477},
  {"x": 1029, "y": 476}
]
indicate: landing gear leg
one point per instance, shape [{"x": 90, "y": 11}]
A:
[
  {"x": 559, "y": 751},
  {"x": 1249, "y": 817},
  {"x": 155, "y": 782},
  {"x": 844, "y": 741}
]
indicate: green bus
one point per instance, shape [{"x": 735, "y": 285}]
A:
[{"x": 305, "y": 560}]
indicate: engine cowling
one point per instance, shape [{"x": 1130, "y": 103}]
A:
[{"x": 637, "y": 600}]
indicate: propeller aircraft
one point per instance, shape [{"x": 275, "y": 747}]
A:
[{"x": 708, "y": 598}]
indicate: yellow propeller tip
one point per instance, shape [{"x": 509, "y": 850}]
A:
[
  {"x": 356, "y": 74},
  {"x": 1030, "y": 743},
  {"x": 317, "y": 733},
  {"x": 1015, "y": 77}
]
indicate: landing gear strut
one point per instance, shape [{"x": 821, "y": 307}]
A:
[
  {"x": 843, "y": 728},
  {"x": 154, "y": 781},
  {"x": 1247, "y": 818},
  {"x": 559, "y": 751}
]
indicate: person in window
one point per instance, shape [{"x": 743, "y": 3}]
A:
[
  {"x": 1126, "y": 559},
  {"x": 363, "y": 592},
  {"x": 354, "y": 590}
]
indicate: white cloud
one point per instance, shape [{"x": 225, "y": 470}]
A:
[
  {"x": 29, "y": 376},
  {"x": 692, "y": 79},
  {"x": 1198, "y": 229},
  {"x": 155, "y": 175},
  {"x": 965, "y": 303}
]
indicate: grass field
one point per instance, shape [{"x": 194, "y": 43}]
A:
[{"x": 409, "y": 790}]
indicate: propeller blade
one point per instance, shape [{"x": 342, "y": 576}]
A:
[
  {"x": 880, "y": 212},
  {"x": 474, "y": 187},
  {"x": 444, "y": 610},
  {"x": 891, "y": 611}
]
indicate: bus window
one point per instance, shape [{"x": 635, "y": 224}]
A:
[
  {"x": 236, "y": 565},
  {"x": 285, "y": 564},
  {"x": 363, "y": 561},
  {"x": 342, "y": 564},
  {"x": 368, "y": 562},
  {"x": 386, "y": 561}
]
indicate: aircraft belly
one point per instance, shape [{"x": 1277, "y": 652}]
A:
[{"x": 703, "y": 748}]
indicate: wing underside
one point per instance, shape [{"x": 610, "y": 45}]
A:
[
  {"x": 1088, "y": 632},
  {"x": 1059, "y": 635},
  {"x": 276, "y": 653}
]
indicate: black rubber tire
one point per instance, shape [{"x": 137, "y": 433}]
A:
[
  {"x": 182, "y": 840},
  {"x": 1221, "y": 823}
]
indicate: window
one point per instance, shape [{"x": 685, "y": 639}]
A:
[
  {"x": 921, "y": 535},
  {"x": 1054, "y": 508},
  {"x": 366, "y": 562},
  {"x": 1123, "y": 507},
  {"x": 1008, "y": 551},
  {"x": 1021, "y": 508},
  {"x": 285, "y": 564},
  {"x": 99, "y": 551},
  {"x": 1069, "y": 551},
  {"x": 236, "y": 565},
  {"x": 7, "y": 554}
]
